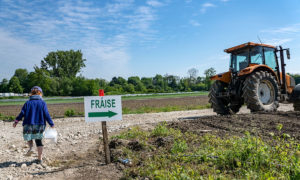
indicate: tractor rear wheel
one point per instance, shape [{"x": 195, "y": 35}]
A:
[
  {"x": 261, "y": 92},
  {"x": 297, "y": 105},
  {"x": 221, "y": 105}
]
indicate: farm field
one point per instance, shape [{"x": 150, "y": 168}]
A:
[
  {"x": 58, "y": 100},
  {"x": 151, "y": 146},
  {"x": 130, "y": 105}
]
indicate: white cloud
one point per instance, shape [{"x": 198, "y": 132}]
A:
[
  {"x": 194, "y": 23},
  {"x": 277, "y": 42},
  {"x": 106, "y": 60},
  {"x": 205, "y": 6},
  {"x": 294, "y": 28},
  {"x": 154, "y": 3},
  {"x": 18, "y": 53},
  {"x": 37, "y": 29}
]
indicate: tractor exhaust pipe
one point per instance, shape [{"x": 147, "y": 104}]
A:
[{"x": 282, "y": 70}]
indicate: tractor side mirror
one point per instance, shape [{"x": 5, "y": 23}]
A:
[{"x": 288, "y": 53}]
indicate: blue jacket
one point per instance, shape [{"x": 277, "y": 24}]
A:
[{"x": 35, "y": 112}]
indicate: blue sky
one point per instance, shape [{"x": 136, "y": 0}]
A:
[{"x": 143, "y": 37}]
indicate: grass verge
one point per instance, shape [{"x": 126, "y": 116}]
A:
[
  {"x": 7, "y": 118},
  {"x": 167, "y": 153},
  {"x": 147, "y": 109}
]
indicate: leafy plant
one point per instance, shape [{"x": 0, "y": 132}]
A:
[
  {"x": 179, "y": 146},
  {"x": 70, "y": 113},
  {"x": 198, "y": 156},
  {"x": 161, "y": 130}
]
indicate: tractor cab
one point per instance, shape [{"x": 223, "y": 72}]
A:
[{"x": 250, "y": 54}]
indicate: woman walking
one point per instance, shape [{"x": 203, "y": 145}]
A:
[{"x": 35, "y": 113}]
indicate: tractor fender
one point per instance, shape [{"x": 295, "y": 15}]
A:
[
  {"x": 295, "y": 94},
  {"x": 257, "y": 67},
  {"x": 224, "y": 77}
]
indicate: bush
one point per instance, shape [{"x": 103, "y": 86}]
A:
[{"x": 70, "y": 113}]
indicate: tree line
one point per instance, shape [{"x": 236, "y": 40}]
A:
[{"x": 58, "y": 75}]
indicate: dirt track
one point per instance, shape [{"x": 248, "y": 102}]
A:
[{"x": 75, "y": 156}]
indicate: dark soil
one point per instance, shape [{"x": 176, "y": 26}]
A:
[
  {"x": 261, "y": 124},
  {"x": 180, "y": 101}
]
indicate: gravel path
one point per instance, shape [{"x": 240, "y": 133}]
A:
[{"x": 75, "y": 136}]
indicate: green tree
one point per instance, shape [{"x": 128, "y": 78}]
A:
[
  {"x": 14, "y": 85},
  {"x": 133, "y": 80},
  {"x": 184, "y": 84},
  {"x": 147, "y": 82},
  {"x": 22, "y": 74},
  {"x": 117, "y": 80},
  {"x": 65, "y": 87},
  {"x": 93, "y": 87},
  {"x": 138, "y": 85},
  {"x": 115, "y": 89},
  {"x": 129, "y": 88},
  {"x": 296, "y": 77},
  {"x": 79, "y": 85},
  {"x": 208, "y": 73},
  {"x": 102, "y": 83},
  {"x": 172, "y": 82},
  {"x": 159, "y": 83},
  {"x": 42, "y": 78},
  {"x": 63, "y": 63},
  {"x": 4, "y": 86}
]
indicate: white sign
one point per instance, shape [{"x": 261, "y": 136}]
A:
[{"x": 102, "y": 108}]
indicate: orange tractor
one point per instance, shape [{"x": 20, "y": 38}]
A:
[{"x": 257, "y": 78}]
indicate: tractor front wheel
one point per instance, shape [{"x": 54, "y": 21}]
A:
[
  {"x": 261, "y": 92},
  {"x": 297, "y": 105},
  {"x": 219, "y": 104}
]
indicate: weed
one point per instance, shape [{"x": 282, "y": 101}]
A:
[
  {"x": 80, "y": 113},
  {"x": 70, "y": 113},
  {"x": 194, "y": 156},
  {"x": 179, "y": 146},
  {"x": 161, "y": 130},
  {"x": 132, "y": 133}
]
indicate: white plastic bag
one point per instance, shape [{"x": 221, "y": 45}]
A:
[{"x": 51, "y": 134}]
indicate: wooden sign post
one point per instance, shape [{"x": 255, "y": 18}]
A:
[
  {"x": 105, "y": 136},
  {"x": 102, "y": 109}
]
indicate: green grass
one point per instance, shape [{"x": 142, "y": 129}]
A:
[
  {"x": 148, "y": 109},
  {"x": 7, "y": 118},
  {"x": 197, "y": 156},
  {"x": 156, "y": 96},
  {"x": 50, "y": 101},
  {"x": 80, "y": 100}
]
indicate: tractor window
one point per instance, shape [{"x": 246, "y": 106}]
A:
[
  {"x": 239, "y": 60},
  {"x": 256, "y": 55},
  {"x": 270, "y": 58}
]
